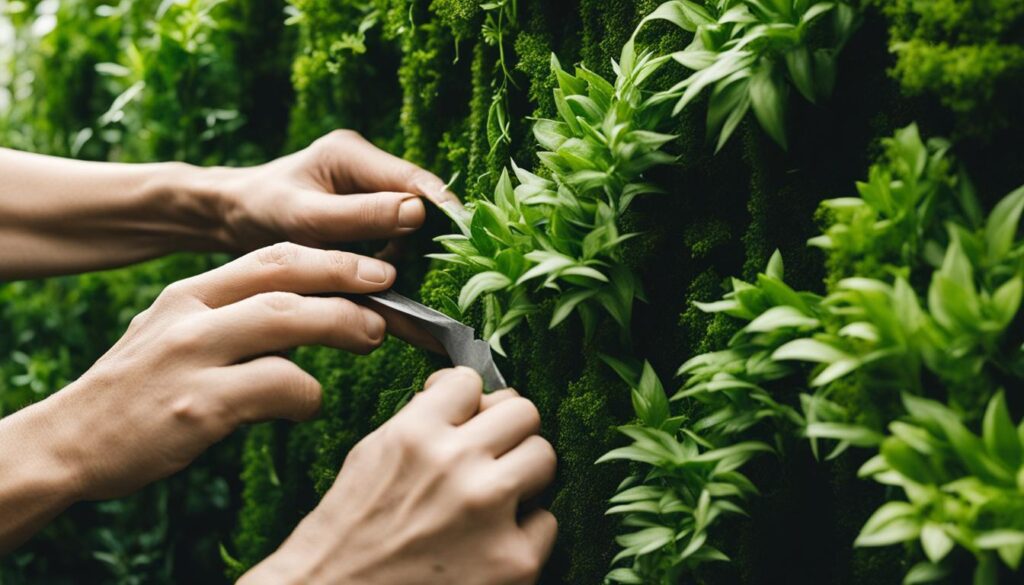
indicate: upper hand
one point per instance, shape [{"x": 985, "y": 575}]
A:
[
  {"x": 202, "y": 360},
  {"x": 340, "y": 189}
]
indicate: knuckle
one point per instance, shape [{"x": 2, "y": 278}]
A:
[
  {"x": 201, "y": 411},
  {"x": 522, "y": 565},
  {"x": 279, "y": 302},
  {"x": 526, "y": 410},
  {"x": 379, "y": 211},
  {"x": 278, "y": 255},
  {"x": 344, "y": 264},
  {"x": 186, "y": 336},
  {"x": 174, "y": 292},
  {"x": 139, "y": 320},
  {"x": 343, "y": 135},
  {"x": 476, "y": 496}
]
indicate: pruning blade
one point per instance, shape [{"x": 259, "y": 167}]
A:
[{"x": 457, "y": 339}]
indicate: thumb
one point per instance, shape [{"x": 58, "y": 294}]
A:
[{"x": 270, "y": 388}]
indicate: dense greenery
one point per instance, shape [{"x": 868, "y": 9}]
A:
[{"x": 595, "y": 261}]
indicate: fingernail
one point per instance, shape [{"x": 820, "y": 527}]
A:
[
  {"x": 410, "y": 213},
  {"x": 373, "y": 271},
  {"x": 375, "y": 325}
]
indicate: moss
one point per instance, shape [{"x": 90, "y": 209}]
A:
[{"x": 963, "y": 52}]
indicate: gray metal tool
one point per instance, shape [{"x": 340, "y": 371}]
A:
[{"x": 458, "y": 340}]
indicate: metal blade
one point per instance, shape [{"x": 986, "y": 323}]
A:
[{"x": 458, "y": 339}]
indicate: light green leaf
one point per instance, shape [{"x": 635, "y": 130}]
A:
[{"x": 479, "y": 284}]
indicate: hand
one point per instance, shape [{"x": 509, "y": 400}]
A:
[
  {"x": 340, "y": 189},
  {"x": 200, "y": 362},
  {"x": 432, "y": 497}
]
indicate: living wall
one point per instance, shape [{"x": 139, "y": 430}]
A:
[{"x": 662, "y": 176}]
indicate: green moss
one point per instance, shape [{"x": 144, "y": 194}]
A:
[{"x": 963, "y": 52}]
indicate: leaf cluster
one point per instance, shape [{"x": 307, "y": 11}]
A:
[
  {"x": 558, "y": 230},
  {"x": 932, "y": 319},
  {"x": 685, "y": 485},
  {"x": 749, "y": 53},
  {"x": 961, "y": 488}
]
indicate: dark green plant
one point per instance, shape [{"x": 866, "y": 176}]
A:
[
  {"x": 686, "y": 483},
  {"x": 750, "y": 52}
]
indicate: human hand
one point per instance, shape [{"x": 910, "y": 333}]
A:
[
  {"x": 340, "y": 189},
  {"x": 432, "y": 497},
  {"x": 201, "y": 361}
]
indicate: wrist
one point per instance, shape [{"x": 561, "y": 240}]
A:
[
  {"x": 193, "y": 203},
  {"x": 40, "y": 475}
]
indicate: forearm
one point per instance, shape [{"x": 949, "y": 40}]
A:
[
  {"x": 60, "y": 216},
  {"x": 37, "y": 478}
]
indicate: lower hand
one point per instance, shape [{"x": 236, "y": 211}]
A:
[
  {"x": 433, "y": 497},
  {"x": 201, "y": 361}
]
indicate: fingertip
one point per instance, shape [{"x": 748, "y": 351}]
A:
[
  {"x": 376, "y": 326},
  {"x": 411, "y": 213}
]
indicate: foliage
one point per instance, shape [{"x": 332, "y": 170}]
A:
[
  {"x": 947, "y": 338},
  {"x": 965, "y": 53},
  {"x": 962, "y": 489},
  {"x": 562, "y": 232},
  {"x": 688, "y": 485},
  {"x": 563, "y": 227},
  {"x": 749, "y": 53}
]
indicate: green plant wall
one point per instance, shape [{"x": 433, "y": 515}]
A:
[{"x": 455, "y": 86}]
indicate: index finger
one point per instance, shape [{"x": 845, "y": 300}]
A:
[
  {"x": 358, "y": 165},
  {"x": 290, "y": 268}
]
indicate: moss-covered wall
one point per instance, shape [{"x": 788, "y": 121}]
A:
[
  {"x": 723, "y": 215},
  {"x": 419, "y": 80}
]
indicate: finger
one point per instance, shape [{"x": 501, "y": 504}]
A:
[
  {"x": 273, "y": 322},
  {"x": 531, "y": 465},
  {"x": 503, "y": 426},
  {"x": 406, "y": 329},
  {"x": 375, "y": 216},
  {"x": 494, "y": 398},
  {"x": 291, "y": 268},
  {"x": 541, "y": 529},
  {"x": 271, "y": 388},
  {"x": 357, "y": 164},
  {"x": 451, "y": 396}
]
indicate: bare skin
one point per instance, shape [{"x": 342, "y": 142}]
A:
[{"x": 433, "y": 497}]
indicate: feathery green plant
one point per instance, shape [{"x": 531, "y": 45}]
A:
[{"x": 687, "y": 483}]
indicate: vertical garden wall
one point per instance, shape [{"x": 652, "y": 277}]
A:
[{"x": 457, "y": 86}]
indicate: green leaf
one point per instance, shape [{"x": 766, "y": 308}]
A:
[
  {"x": 566, "y": 303},
  {"x": 781, "y": 318},
  {"x": 935, "y": 542},
  {"x": 479, "y": 284},
  {"x": 925, "y": 572},
  {"x": 893, "y": 523},
  {"x": 809, "y": 350},
  {"x": 768, "y": 99},
  {"x": 776, "y": 266},
  {"x": 999, "y": 433},
  {"x": 1002, "y": 225}
]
